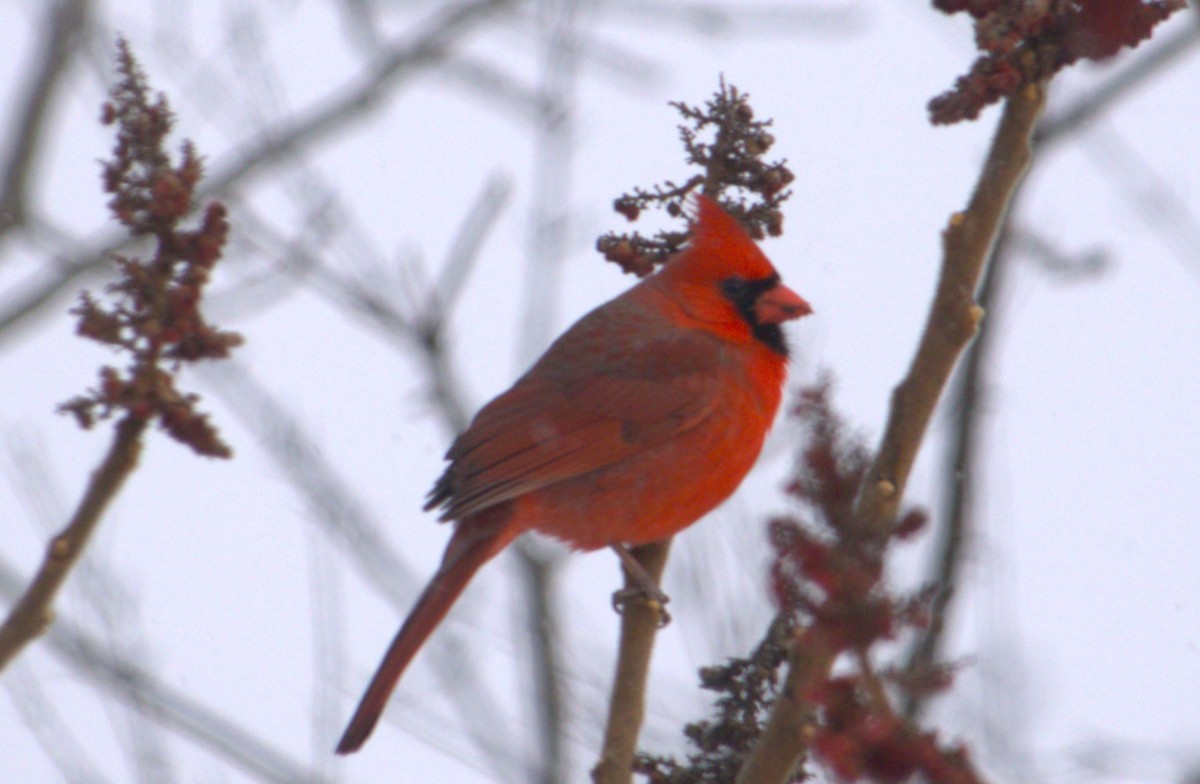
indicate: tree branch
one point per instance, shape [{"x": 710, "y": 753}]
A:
[
  {"x": 33, "y": 612},
  {"x": 967, "y": 401},
  {"x": 954, "y": 316},
  {"x": 288, "y": 138},
  {"x": 627, "y": 705},
  {"x": 175, "y": 710},
  {"x": 64, "y": 22},
  {"x": 951, "y": 323},
  {"x": 793, "y": 718}
]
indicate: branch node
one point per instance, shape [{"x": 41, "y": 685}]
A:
[
  {"x": 60, "y": 548},
  {"x": 976, "y": 313}
]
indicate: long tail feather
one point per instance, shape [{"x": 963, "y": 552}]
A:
[{"x": 472, "y": 546}]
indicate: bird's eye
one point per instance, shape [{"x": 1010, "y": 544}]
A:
[{"x": 734, "y": 288}]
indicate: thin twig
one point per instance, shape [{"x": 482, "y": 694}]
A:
[
  {"x": 468, "y": 241},
  {"x": 342, "y": 517},
  {"x": 627, "y": 705},
  {"x": 489, "y": 83},
  {"x": 97, "y": 587},
  {"x": 54, "y": 737},
  {"x": 364, "y": 93},
  {"x": 64, "y": 23},
  {"x": 129, "y": 682},
  {"x": 361, "y": 95},
  {"x": 1149, "y": 195},
  {"x": 34, "y": 611},
  {"x": 538, "y": 571},
  {"x": 70, "y": 260}
]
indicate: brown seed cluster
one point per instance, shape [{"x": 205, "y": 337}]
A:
[
  {"x": 1022, "y": 43},
  {"x": 152, "y": 313},
  {"x": 728, "y": 145}
]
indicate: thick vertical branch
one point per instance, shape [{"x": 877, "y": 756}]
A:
[
  {"x": 725, "y": 140},
  {"x": 33, "y": 612},
  {"x": 968, "y": 401},
  {"x": 968, "y": 397},
  {"x": 954, "y": 316},
  {"x": 952, "y": 320},
  {"x": 777, "y": 754},
  {"x": 627, "y": 705}
]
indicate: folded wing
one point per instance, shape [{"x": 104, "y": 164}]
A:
[{"x": 553, "y": 426}]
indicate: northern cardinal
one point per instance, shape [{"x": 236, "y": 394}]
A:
[{"x": 637, "y": 421}]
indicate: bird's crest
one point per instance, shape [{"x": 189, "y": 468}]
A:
[{"x": 720, "y": 247}]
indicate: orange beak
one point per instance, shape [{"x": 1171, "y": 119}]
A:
[{"x": 780, "y": 304}]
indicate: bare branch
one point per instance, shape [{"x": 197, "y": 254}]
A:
[
  {"x": 33, "y": 612},
  {"x": 55, "y": 738},
  {"x": 967, "y": 398},
  {"x": 291, "y": 136},
  {"x": 363, "y": 94},
  {"x": 627, "y": 705},
  {"x": 1046, "y": 256},
  {"x": 954, "y": 316},
  {"x": 785, "y": 738},
  {"x": 1150, "y": 196},
  {"x": 101, "y": 590},
  {"x": 67, "y": 266},
  {"x": 173, "y": 709},
  {"x": 488, "y": 82},
  {"x": 538, "y": 572},
  {"x": 952, "y": 320},
  {"x": 328, "y": 611},
  {"x": 64, "y": 23},
  {"x": 468, "y": 242},
  {"x": 335, "y": 508}
]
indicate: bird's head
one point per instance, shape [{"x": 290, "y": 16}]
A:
[{"x": 723, "y": 279}]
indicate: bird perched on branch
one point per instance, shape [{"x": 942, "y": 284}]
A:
[{"x": 642, "y": 417}]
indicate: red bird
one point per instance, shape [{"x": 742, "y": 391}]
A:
[{"x": 636, "y": 422}]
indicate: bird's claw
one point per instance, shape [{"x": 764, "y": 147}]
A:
[{"x": 652, "y": 597}]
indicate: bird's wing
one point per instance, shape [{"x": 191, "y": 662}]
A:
[{"x": 578, "y": 417}]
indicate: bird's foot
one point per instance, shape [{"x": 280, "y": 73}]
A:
[
  {"x": 656, "y": 601},
  {"x": 644, "y": 589}
]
